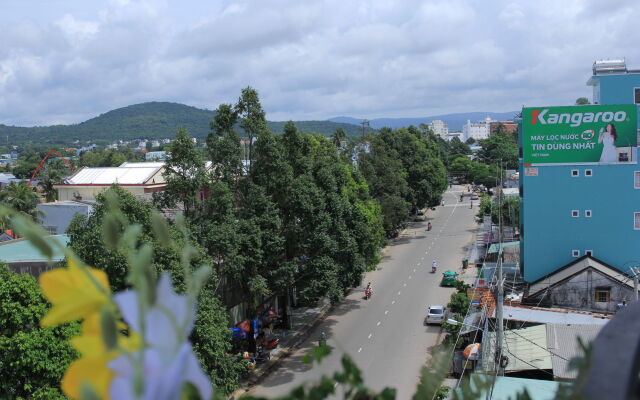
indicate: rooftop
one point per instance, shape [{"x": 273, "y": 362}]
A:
[
  {"x": 552, "y": 316},
  {"x": 21, "y": 250},
  {"x": 562, "y": 342},
  {"x": 526, "y": 349},
  {"x": 113, "y": 175},
  {"x": 506, "y": 388}
]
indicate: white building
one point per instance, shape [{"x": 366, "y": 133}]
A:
[
  {"x": 439, "y": 128},
  {"x": 478, "y": 130}
]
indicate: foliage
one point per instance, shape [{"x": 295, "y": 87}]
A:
[
  {"x": 457, "y": 146},
  {"x": 500, "y": 148},
  {"x": 582, "y": 101},
  {"x": 32, "y": 359},
  {"x": 510, "y": 210},
  {"x": 459, "y": 303},
  {"x": 22, "y": 198}
]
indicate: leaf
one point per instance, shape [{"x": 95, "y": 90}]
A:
[
  {"x": 160, "y": 229},
  {"x": 108, "y": 328}
]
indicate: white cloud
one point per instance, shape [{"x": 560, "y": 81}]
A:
[{"x": 307, "y": 59}]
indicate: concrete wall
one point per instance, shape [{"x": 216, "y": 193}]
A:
[
  {"x": 90, "y": 192},
  {"x": 578, "y": 293},
  {"x": 617, "y": 88}
]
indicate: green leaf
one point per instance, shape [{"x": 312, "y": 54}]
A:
[
  {"x": 108, "y": 328},
  {"x": 160, "y": 229}
]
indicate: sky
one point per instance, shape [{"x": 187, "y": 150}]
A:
[{"x": 65, "y": 61}]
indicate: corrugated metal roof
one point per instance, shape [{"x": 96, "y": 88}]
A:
[
  {"x": 494, "y": 247},
  {"x": 550, "y": 317},
  {"x": 562, "y": 340},
  {"x": 526, "y": 349},
  {"x": 156, "y": 164},
  {"x": 23, "y": 250},
  {"x": 111, "y": 175},
  {"x": 506, "y": 388}
]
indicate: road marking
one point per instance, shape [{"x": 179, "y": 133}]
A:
[
  {"x": 422, "y": 259},
  {"x": 359, "y": 350},
  {"x": 418, "y": 264},
  {"x": 409, "y": 276},
  {"x": 414, "y": 270},
  {"x": 404, "y": 285},
  {"x": 393, "y": 302},
  {"x": 378, "y": 324},
  {"x": 371, "y": 334},
  {"x": 399, "y": 293},
  {"x": 386, "y": 312},
  {"x": 335, "y": 385}
]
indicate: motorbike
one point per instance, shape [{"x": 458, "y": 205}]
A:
[
  {"x": 429, "y": 226},
  {"x": 367, "y": 294},
  {"x": 433, "y": 269}
]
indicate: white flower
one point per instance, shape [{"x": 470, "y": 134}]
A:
[{"x": 169, "y": 360}]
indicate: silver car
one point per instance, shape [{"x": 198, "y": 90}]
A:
[{"x": 435, "y": 315}]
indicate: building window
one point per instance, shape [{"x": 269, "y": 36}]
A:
[
  {"x": 575, "y": 253},
  {"x": 575, "y": 213},
  {"x": 588, "y": 172},
  {"x": 587, "y": 213},
  {"x": 636, "y": 221},
  {"x": 575, "y": 172},
  {"x": 588, "y": 253},
  {"x": 636, "y": 95},
  {"x": 636, "y": 179},
  {"x": 602, "y": 295}
]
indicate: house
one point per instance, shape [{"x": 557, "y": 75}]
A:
[
  {"x": 57, "y": 216},
  {"x": 23, "y": 257},
  {"x": 156, "y": 156},
  {"x": 85, "y": 184},
  {"x": 563, "y": 343},
  {"x": 586, "y": 284}
]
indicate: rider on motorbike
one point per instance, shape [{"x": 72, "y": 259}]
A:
[
  {"x": 429, "y": 226},
  {"x": 434, "y": 265},
  {"x": 368, "y": 291}
]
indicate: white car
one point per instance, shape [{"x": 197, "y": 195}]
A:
[{"x": 435, "y": 315}]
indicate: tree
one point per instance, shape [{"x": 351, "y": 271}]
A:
[
  {"x": 457, "y": 146},
  {"x": 338, "y": 137},
  {"x": 499, "y": 148},
  {"x": 32, "y": 359},
  {"x": 223, "y": 146},
  {"x": 251, "y": 115},
  {"x": 86, "y": 241},
  {"x": 582, "y": 101},
  {"x": 22, "y": 198},
  {"x": 184, "y": 173},
  {"x": 47, "y": 179},
  {"x": 470, "y": 141}
]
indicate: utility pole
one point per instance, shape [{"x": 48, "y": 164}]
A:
[
  {"x": 500, "y": 289},
  {"x": 364, "y": 123}
]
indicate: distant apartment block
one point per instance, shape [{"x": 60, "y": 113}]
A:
[
  {"x": 476, "y": 131},
  {"x": 439, "y": 128}
]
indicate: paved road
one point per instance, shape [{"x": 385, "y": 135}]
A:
[{"x": 385, "y": 334}]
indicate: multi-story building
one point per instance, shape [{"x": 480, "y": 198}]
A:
[
  {"x": 477, "y": 131},
  {"x": 439, "y": 128},
  {"x": 580, "y": 179}
]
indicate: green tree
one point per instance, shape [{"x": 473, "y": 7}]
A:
[
  {"x": 339, "y": 135},
  {"x": 252, "y": 117},
  {"x": 184, "y": 173},
  {"x": 582, "y": 101},
  {"x": 499, "y": 148},
  {"x": 22, "y": 198},
  {"x": 32, "y": 359},
  {"x": 457, "y": 146},
  {"x": 223, "y": 146}
]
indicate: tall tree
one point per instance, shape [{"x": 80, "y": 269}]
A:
[
  {"x": 582, "y": 101},
  {"x": 223, "y": 146},
  {"x": 252, "y": 117},
  {"x": 22, "y": 198},
  {"x": 185, "y": 175}
]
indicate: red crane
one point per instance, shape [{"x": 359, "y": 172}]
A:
[{"x": 66, "y": 160}]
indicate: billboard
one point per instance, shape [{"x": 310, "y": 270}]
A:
[{"x": 580, "y": 134}]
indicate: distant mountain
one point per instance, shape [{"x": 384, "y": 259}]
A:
[
  {"x": 454, "y": 121},
  {"x": 154, "y": 120}
]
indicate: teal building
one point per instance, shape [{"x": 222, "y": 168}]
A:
[{"x": 575, "y": 209}]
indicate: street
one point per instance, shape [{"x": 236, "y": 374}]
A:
[{"x": 385, "y": 335}]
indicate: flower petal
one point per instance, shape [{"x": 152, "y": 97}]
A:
[
  {"x": 92, "y": 370},
  {"x": 127, "y": 302}
]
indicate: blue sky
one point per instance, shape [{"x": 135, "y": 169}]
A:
[{"x": 66, "y": 61}]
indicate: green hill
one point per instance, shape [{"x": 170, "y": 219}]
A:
[{"x": 154, "y": 120}]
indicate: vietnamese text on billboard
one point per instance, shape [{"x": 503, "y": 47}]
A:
[{"x": 580, "y": 134}]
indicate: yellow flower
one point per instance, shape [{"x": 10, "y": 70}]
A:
[
  {"x": 92, "y": 367},
  {"x": 72, "y": 293}
]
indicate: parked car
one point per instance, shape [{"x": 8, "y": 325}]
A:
[
  {"x": 474, "y": 196},
  {"x": 435, "y": 315},
  {"x": 420, "y": 216},
  {"x": 449, "y": 278}
]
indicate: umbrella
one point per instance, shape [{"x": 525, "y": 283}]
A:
[{"x": 472, "y": 351}]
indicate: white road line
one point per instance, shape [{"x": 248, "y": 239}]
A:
[
  {"x": 414, "y": 270},
  {"x": 371, "y": 334},
  {"x": 418, "y": 264},
  {"x": 404, "y": 285},
  {"x": 399, "y": 293},
  {"x": 386, "y": 312},
  {"x": 359, "y": 350},
  {"x": 393, "y": 302},
  {"x": 378, "y": 324},
  {"x": 409, "y": 276}
]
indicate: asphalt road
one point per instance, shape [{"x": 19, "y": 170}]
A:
[{"x": 385, "y": 335}]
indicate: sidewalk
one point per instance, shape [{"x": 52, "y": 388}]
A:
[{"x": 303, "y": 320}]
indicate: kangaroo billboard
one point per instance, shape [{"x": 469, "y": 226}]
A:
[{"x": 580, "y": 134}]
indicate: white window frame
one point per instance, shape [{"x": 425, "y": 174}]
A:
[
  {"x": 636, "y": 180},
  {"x": 588, "y": 173},
  {"x": 575, "y": 173},
  {"x": 575, "y": 253},
  {"x": 588, "y": 253},
  {"x": 634, "y": 95},
  {"x": 576, "y": 214},
  {"x": 636, "y": 221},
  {"x": 587, "y": 213}
]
